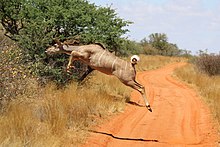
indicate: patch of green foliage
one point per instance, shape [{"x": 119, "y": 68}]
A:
[
  {"x": 34, "y": 23},
  {"x": 158, "y": 44}
]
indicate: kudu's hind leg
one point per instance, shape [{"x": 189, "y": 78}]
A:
[
  {"x": 135, "y": 85},
  {"x": 88, "y": 71}
]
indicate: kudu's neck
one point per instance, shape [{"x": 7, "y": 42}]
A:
[{"x": 66, "y": 52}]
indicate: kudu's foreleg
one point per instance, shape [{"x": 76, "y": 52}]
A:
[
  {"x": 73, "y": 56},
  {"x": 135, "y": 85}
]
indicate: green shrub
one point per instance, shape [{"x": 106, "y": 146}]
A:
[
  {"x": 130, "y": 48},
  {"x": 158, "y": 44}
]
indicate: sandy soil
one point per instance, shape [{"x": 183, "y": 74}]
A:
[{"x": 179, "y": 117}]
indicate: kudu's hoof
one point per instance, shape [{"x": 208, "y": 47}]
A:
[
  {"x": 68, "y": 69},
  {"x": 149, "y": 108}
]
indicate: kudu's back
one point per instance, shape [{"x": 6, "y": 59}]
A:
[{"x": 104, "y": 61}]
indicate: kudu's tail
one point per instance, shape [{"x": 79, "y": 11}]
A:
[{"x": 135, "y": 59}]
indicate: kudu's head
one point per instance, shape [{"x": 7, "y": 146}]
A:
[{"x": 57, "y": 48}]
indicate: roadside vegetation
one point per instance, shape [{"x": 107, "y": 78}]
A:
[
  {"x": 60, "y": 117},
  {"x": 151, "y": 62},
  {"x": 204, "y": 74}
]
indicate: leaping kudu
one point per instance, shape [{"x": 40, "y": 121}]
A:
[{"x": 99, "y": 58}]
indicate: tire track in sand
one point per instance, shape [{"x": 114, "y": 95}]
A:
[{"x": 179, "y": 117}]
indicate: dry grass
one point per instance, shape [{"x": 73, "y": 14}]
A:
[
  {"x": 60, "y": 117},
  {"x": 154, "y": 62},
  {"x": 209, "y": 87}
]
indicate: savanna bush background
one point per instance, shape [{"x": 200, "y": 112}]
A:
[{"x": 209, "y": 64}]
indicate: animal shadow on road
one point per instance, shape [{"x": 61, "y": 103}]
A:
[
  {"x": 124, "y": 138},
  {"x": 135, "y": 104}
]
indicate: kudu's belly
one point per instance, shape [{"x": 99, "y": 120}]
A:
[
  {"x": 103, "y": 62},
  {"x": 104, "y": 70}
]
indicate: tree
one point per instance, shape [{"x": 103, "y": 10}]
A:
[
  {"x": 158, "y": 44},
  {"x": 34, "y": 23},
  {"x": 158, "y": 41}
]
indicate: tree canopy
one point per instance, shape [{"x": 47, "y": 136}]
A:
[
  {"x": 158, "y": 44},
  {"x": 34, "y": 23}
]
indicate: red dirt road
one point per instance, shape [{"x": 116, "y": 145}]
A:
[{"x": 179, "y": 117}]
